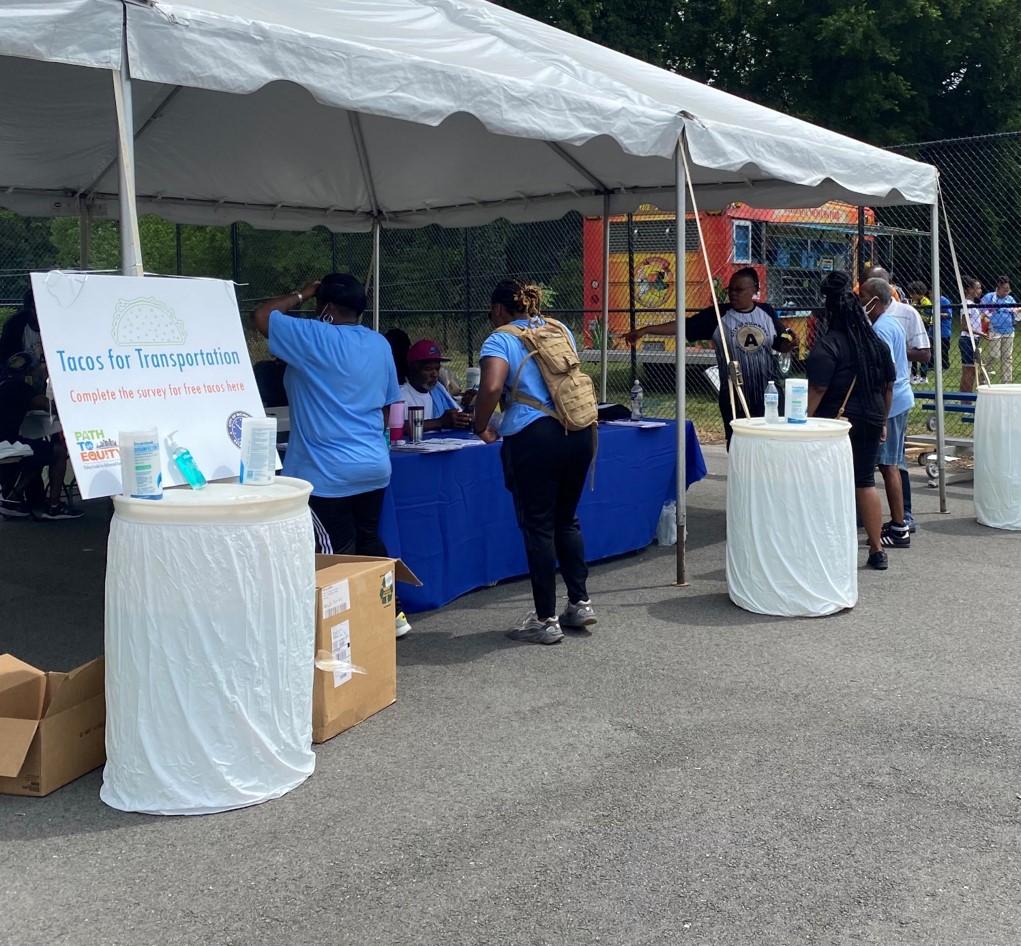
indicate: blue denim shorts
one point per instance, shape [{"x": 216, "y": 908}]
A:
[{"x": 891, "y": 452}]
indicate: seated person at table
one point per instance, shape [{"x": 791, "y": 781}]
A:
[
  {"x": 269, "y": 379},
  {"x": 400, "y": 344},
  {"x": 422, "y": 389},
  {"x": 21, "y": 385},
  {"x": 21, "y": 332}
]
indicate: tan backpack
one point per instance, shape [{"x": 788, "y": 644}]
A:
[{"x": 571, "y": 390}]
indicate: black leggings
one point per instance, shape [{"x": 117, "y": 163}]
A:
[
  {"x": 348, "y": 525},
  {"x": 545, "y": 470}
]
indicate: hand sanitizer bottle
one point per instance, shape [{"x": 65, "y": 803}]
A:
[{"x": 185, "y": 462}]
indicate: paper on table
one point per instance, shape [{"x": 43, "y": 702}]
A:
[
  {"x": 641, "y": 424},
  {"x": 436, "y": 445}
]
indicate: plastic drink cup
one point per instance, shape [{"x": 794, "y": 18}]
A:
[
  {"x": 416, "y": 415},
  {"x": 472, "y": 378},
  {"x": 397, "y": 415}
]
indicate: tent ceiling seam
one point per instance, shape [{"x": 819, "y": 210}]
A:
[
  {"x": 562, "y": 153},
  {"x": 363, "y": 160},
  {"x": 154, "y": 115}
]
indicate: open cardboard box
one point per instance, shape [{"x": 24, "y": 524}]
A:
[
  {"x": 52, "y": 725},
  {"x": 355, "y": 598}
]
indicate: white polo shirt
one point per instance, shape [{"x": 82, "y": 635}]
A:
[{"x": 914, "y": 328}]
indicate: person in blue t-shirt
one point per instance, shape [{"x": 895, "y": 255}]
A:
[
  {"x": 340, "y": 382},
  {"x": 875, "y": 296},
  {"x": 1002, "y": 314},
  {"x": 544, "y": 466}
]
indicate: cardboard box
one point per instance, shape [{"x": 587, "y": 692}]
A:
[
  {"x": 355, "y": 613},
  {"x": 52, "y": 725}
]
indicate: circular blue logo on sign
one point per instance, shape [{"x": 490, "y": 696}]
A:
[{"x": 234, "y": 426}]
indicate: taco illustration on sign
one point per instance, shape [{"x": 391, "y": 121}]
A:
[{"x": 146, "y": 322}]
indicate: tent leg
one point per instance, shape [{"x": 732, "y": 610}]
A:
[
  {"x": 131, "y": 244},
  {"x": 375, "y": 274},
  {"x": 604, "y": 333},
  {"x": 680, "y": 345},
  {"x": 937, "y": 359}
]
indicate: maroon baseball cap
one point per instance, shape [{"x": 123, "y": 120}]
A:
[{"x": 425, "y": 350}]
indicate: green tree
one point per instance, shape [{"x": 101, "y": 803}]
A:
[{"x": 886, "y": 71}]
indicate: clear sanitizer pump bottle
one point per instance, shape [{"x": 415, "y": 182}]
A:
[{"x": 185, "y": 463}]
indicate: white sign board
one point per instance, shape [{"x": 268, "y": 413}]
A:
[{"x": 133, "y": 353}]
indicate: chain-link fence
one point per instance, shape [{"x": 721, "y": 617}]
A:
[{"x": 436, "y": 282}]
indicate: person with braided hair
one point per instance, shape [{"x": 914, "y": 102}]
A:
[
  {"x": 545, "y": 465},
  {"x": 851, "y": 371}
]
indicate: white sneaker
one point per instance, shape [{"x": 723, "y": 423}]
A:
[{"x": 402, "y": 624}]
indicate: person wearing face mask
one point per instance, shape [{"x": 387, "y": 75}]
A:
[
  {"x": 875, "y": 297},
  {"x": 851, "y": 372},
  {"x": 753, "y": 333},
  {"x": 340, "y": 382}
]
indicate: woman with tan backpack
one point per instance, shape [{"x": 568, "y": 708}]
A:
[{"x": 531, "y": 363}]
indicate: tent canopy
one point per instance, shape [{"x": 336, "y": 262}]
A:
[{"x": 306, "y": 113}]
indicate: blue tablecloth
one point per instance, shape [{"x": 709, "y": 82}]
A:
[{"x": 450, "y": 518}]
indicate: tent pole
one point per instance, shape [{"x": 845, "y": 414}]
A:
[
  {"x": 131, "y": 244},
  {"x": 680, "y": 357},
  {"x": 375, "y": 274},
  {"x": 937, "y": 360},
  {"x": 604, "y": 333},
  {"x": 84, "y": 233}
]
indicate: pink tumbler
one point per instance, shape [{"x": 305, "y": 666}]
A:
[{"x": 397, "y": 410}]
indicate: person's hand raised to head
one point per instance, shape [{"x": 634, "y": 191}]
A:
[{"x": 309, "y": 290}]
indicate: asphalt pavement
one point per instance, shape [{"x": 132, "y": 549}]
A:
[{"x": 688, "y": 773}]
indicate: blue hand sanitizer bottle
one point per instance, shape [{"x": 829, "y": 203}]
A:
[{"x": 185, "y": 462}]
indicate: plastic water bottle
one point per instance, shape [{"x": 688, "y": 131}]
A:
[
  {"x": 772, "y": 400},
  {"x": 637, "y": 397}
]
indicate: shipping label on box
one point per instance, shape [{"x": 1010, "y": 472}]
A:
[
  {"x": 355, "y": 623},
  {"x": 336, "y": 599}
]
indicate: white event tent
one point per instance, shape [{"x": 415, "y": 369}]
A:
[{"x": 357, "y": 114}]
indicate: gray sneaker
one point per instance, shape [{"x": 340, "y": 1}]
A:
[
  {"x": 534, "y": 631},
  {"x": 578, "y": 616}
]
